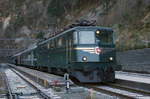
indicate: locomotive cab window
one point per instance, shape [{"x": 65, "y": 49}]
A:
[
  {"x": 75, "y": 37},
  {"x": 86, "y": 37},
  {"x": 105, "y": 37}
]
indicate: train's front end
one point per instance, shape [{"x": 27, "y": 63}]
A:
[{"x": 94, "y": 54}]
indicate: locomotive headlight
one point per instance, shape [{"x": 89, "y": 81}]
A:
[
  {"x": 97, "y": 32},
  {"x": 110, "y": 58},
  {"x": 84, "y": 59}
]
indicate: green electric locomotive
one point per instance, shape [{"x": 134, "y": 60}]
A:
[{"x": 85, "y": 52}]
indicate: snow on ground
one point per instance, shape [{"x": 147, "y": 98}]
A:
[
  {"x": 17, "y": 84},
  {"x": 137, "y": 77}
]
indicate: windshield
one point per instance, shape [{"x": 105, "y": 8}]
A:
[
  {"x": 86, "y": 37},
  {"x": 105, "y": 37}
]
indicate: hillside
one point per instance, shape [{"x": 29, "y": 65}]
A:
[{"x": 23, "y": 21}]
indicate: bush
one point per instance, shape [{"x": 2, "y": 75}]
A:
[
  {"x": 126, "y": 16},
  {"x": 104, "y": 13},
  {"x": 107, "y": 4},
  {"x": 40, "y": 35},
  {"x": 120, "y": 26},
  {"x": 120, "y": 47},
  {"x": 148, "y": 8},
  {"x": 55, "y": 8},
  {"x": 138, "y": 45},
  {"x": 139, "y": 3},
  {"x": 94, "y": 11},
  {"x": 149, "y": 45},
  {"x": 18, "y": 22},
  {"x": 135, "y": 35},
  {"x": 18, "y": 3}
]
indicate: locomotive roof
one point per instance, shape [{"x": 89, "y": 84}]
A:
[
  {"x": 26, "y": 50},
  {"x": 75, "y": 28}
]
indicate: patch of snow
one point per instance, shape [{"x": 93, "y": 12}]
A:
[
  {"x": 6, "y": 22},
  {"x": 19, "y": 40},
  {"x": 68, "y": 17},
  {"x": 25, "y": 30},
  {"x": 132, "y": 77}
]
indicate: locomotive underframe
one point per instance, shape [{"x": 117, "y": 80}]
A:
[{"x": 102, "y": 72}]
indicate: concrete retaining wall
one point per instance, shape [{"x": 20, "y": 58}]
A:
[
  {"x": 135, "y": 60},
  {"x": 3, "y": 60}
]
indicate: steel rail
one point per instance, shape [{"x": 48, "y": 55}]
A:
[
  {"x": 101, "y": 90},
  {"x": 111, "y": 85},
  {"x": 109, "y": 92},
  {"x": 40, "y": 92},
  {"x": 122, "y": 87},
  {"x": 144, "y": 87},
  {"x": 8, "y": 87}
]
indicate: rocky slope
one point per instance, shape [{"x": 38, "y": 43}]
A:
[{"x": 27, "y": 20}]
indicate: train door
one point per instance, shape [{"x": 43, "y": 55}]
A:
[
  {"x": 69, "y": 50},
  {"x": 32, "y": 59},
  {"x": 19, "y": 60}
]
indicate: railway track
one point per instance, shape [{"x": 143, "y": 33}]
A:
[
  {"x": 131, "y": 89},
  {"x": 10, "y": 95},
  {"x": 13, "y": 94},
  {"x": 118, "y": 90},
  {"x": 121, "y": 92}
]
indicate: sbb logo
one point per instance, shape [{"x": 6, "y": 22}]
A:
[{"x": 98, "y": 50}]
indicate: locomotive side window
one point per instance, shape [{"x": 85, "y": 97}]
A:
[
  {"x": 52, "y": 45},
  {"x": 86, "y": 37},
  {"x": 63, "y": 41},
  {"x": 29, "y": 57},
  {"x": 59, "y": 43},
  {"x": 48, "y": 45}
]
